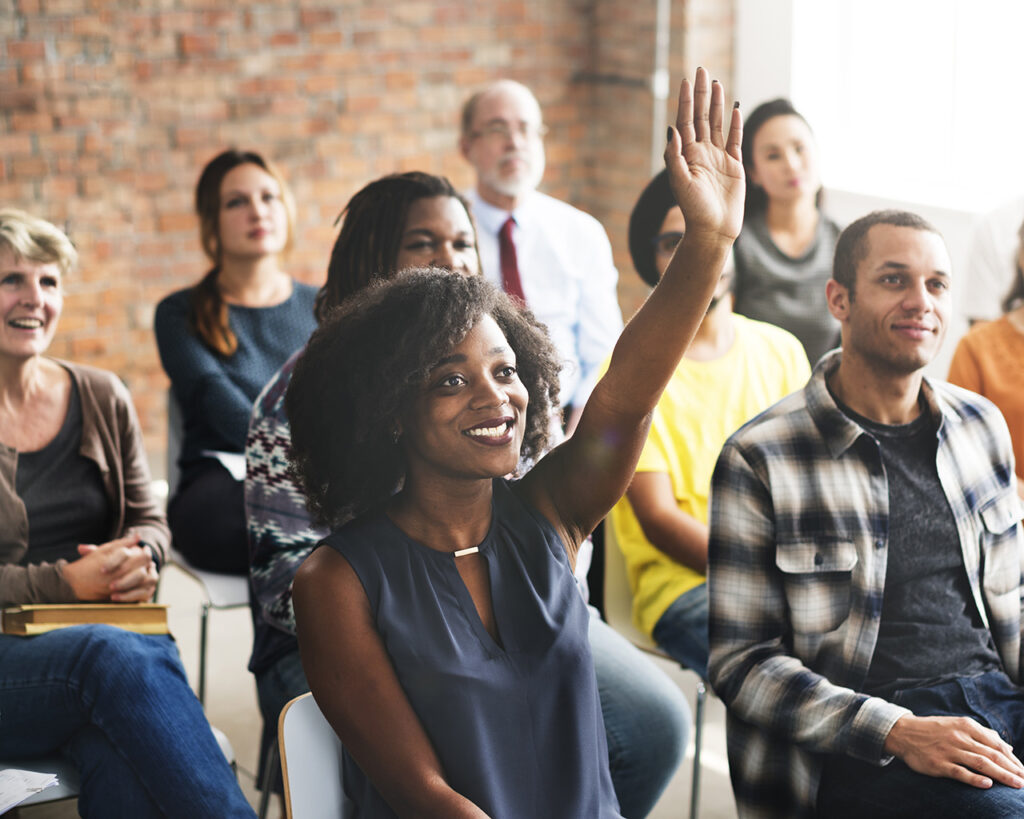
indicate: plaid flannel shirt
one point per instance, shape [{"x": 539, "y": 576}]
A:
[{"x": 796, "y": 574}]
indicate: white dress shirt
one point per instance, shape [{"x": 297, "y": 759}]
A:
[{"x": 569, "y": 280}]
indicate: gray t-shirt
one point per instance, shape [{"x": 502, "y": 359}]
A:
[
  {"x": 786, "y": 291},
  {"x": 930, "y": 629}
]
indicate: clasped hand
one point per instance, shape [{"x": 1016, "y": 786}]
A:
[{"x": 121, "y": 571}]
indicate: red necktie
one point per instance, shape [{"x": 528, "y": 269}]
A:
[{"x": 510, "y": 280}]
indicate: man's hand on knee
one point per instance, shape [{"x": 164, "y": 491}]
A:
[{"x": 956, "y": 748}]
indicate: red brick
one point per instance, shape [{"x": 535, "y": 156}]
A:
[
  {"x": 283, "y": 39},
  {"x": 26, "y": 49},
  {"x": 315, "y": 18},
  {"x": 196, "y": 44},
  {"x": 173, "y": 222}
]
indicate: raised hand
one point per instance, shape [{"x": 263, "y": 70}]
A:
[{"x": 705, "y": 166}]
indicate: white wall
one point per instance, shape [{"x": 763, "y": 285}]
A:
[{"x": 795, "y": 48}]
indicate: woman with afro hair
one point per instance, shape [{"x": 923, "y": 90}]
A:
[{"x": 440, "y": 629}]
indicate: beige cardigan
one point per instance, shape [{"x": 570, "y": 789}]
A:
[{"x": 112, "y": 439}]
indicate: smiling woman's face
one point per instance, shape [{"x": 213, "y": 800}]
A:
[
  {"x": 31, "y": 300},
  {"x": 468, "y": 422}
]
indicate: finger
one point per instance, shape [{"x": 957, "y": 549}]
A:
[
  {"x": 702, "y": 128},
  {"x": 996, "y": 748},
  {"x": 87, "y": 548},
  {"x": 717, "y": 114},
  {"x": 136, "y": 559},
  {"x": 993, "y": 769},
  {"x": 684, "y": 114},
  {"x": 734, "y": 143},
  {"x": 141, "y": 576},
  {"x": 113, "y": 563}
]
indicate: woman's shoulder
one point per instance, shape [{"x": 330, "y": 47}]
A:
[
  {"x": 829, "y": 226},
  {"x": 175, "y": 298},
  {"x": 172, "y": 308},
  {"x": 96, "y": 379},
  {"x": 102, "y": 392}
]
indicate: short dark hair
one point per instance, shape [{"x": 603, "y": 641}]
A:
[
  {"x": 368, "y": 244},
  {"x": 756, "y": 198},
  {"x": 366, "y": 364},
  {"x": 645, "y": 221},
  {"x": 852, "y": 245}
]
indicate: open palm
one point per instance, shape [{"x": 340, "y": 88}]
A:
[{"x": 704, "y": 164}]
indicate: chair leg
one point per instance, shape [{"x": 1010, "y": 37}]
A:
[
  {"x": 269, "y": 777},
  {"x": 204, "y": 621},
  {"x": 698, "y": 738}
]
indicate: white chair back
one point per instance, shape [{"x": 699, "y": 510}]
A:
[
  {"x": 311, "y": 763},
  {"x": 618, "y": 598}
]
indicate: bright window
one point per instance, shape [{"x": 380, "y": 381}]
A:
[{"x": 914, "y": 99}]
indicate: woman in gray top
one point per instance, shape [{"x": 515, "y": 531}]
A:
[{"x": 783, "y": 255}]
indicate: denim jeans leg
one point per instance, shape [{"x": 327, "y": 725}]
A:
[
  {"x": 130, "y": 688},
  {"x": 646, "y": 719},
  {"x": 682, "y": 631},
  {"x": 851, "y": 788},
  {"x": 109, "y": 786},
  {"x": 276, "y": 686}
]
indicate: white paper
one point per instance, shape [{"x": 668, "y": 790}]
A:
[{"x": 17, "y": 786}]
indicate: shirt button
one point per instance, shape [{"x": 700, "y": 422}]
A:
[
  {"x": 879, "y": 543},
  {"x": 818, "y": 559}
]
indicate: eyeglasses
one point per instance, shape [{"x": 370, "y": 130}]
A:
[
  {"x": 502, "y": 131},
  {"x": 666, "y": 242}
]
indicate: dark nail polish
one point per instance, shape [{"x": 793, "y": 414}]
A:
[
  {"x": 736, "y": 104},
  {"x": 668, "y": 136}
]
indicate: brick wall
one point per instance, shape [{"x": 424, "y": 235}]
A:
[{"x": 109, "y": 109}]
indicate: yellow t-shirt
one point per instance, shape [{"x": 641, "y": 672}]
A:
[{"x": 703, "y": 404}]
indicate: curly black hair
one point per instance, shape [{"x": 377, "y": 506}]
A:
[{"x": 367, "y": 363}]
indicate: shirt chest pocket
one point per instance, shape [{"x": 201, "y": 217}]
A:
[
  {"x": 817, "y": 576},
  {"x": 999, "y": 520}
]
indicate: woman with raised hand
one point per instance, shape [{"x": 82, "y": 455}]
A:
[
  {"x": 221, "y": 340},
  {"x": 78, "y": 524},
  {"x": 784, "y": 254},
  {"x": 394, "y": 223},
  {"x": 990, "y": 361},
  {"x": 441, "y": 630}
]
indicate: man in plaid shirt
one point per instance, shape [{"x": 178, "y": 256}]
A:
[{"x": 865, "y": 567}]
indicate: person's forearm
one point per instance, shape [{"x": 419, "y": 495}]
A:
[
  {"x": 654, "y": 340},
  {"x": 680, "y": 536}
]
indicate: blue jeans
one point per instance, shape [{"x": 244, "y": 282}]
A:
[
  {"x": 852, "y": 788},
  {"x": 646, "y": 719},
  {"x": 682, "y": 631},
  {"x": 118, "y": 704}
]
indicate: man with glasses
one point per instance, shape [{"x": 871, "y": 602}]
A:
[
  {"x": 542, "y": 251},
  {"x": 734, "y": 368}
]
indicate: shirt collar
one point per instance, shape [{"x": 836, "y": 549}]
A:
[
  {"x": 490, "y": 219},
  {"x": 837, "y": 429}
]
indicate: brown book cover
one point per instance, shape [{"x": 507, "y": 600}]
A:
[{"x": 145, "y": 618}]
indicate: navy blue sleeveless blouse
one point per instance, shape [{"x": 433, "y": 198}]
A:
[{"x": 517, "y": 726}]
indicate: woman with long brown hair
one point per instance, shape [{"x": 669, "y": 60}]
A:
[{"x": 221, "y": 340}]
